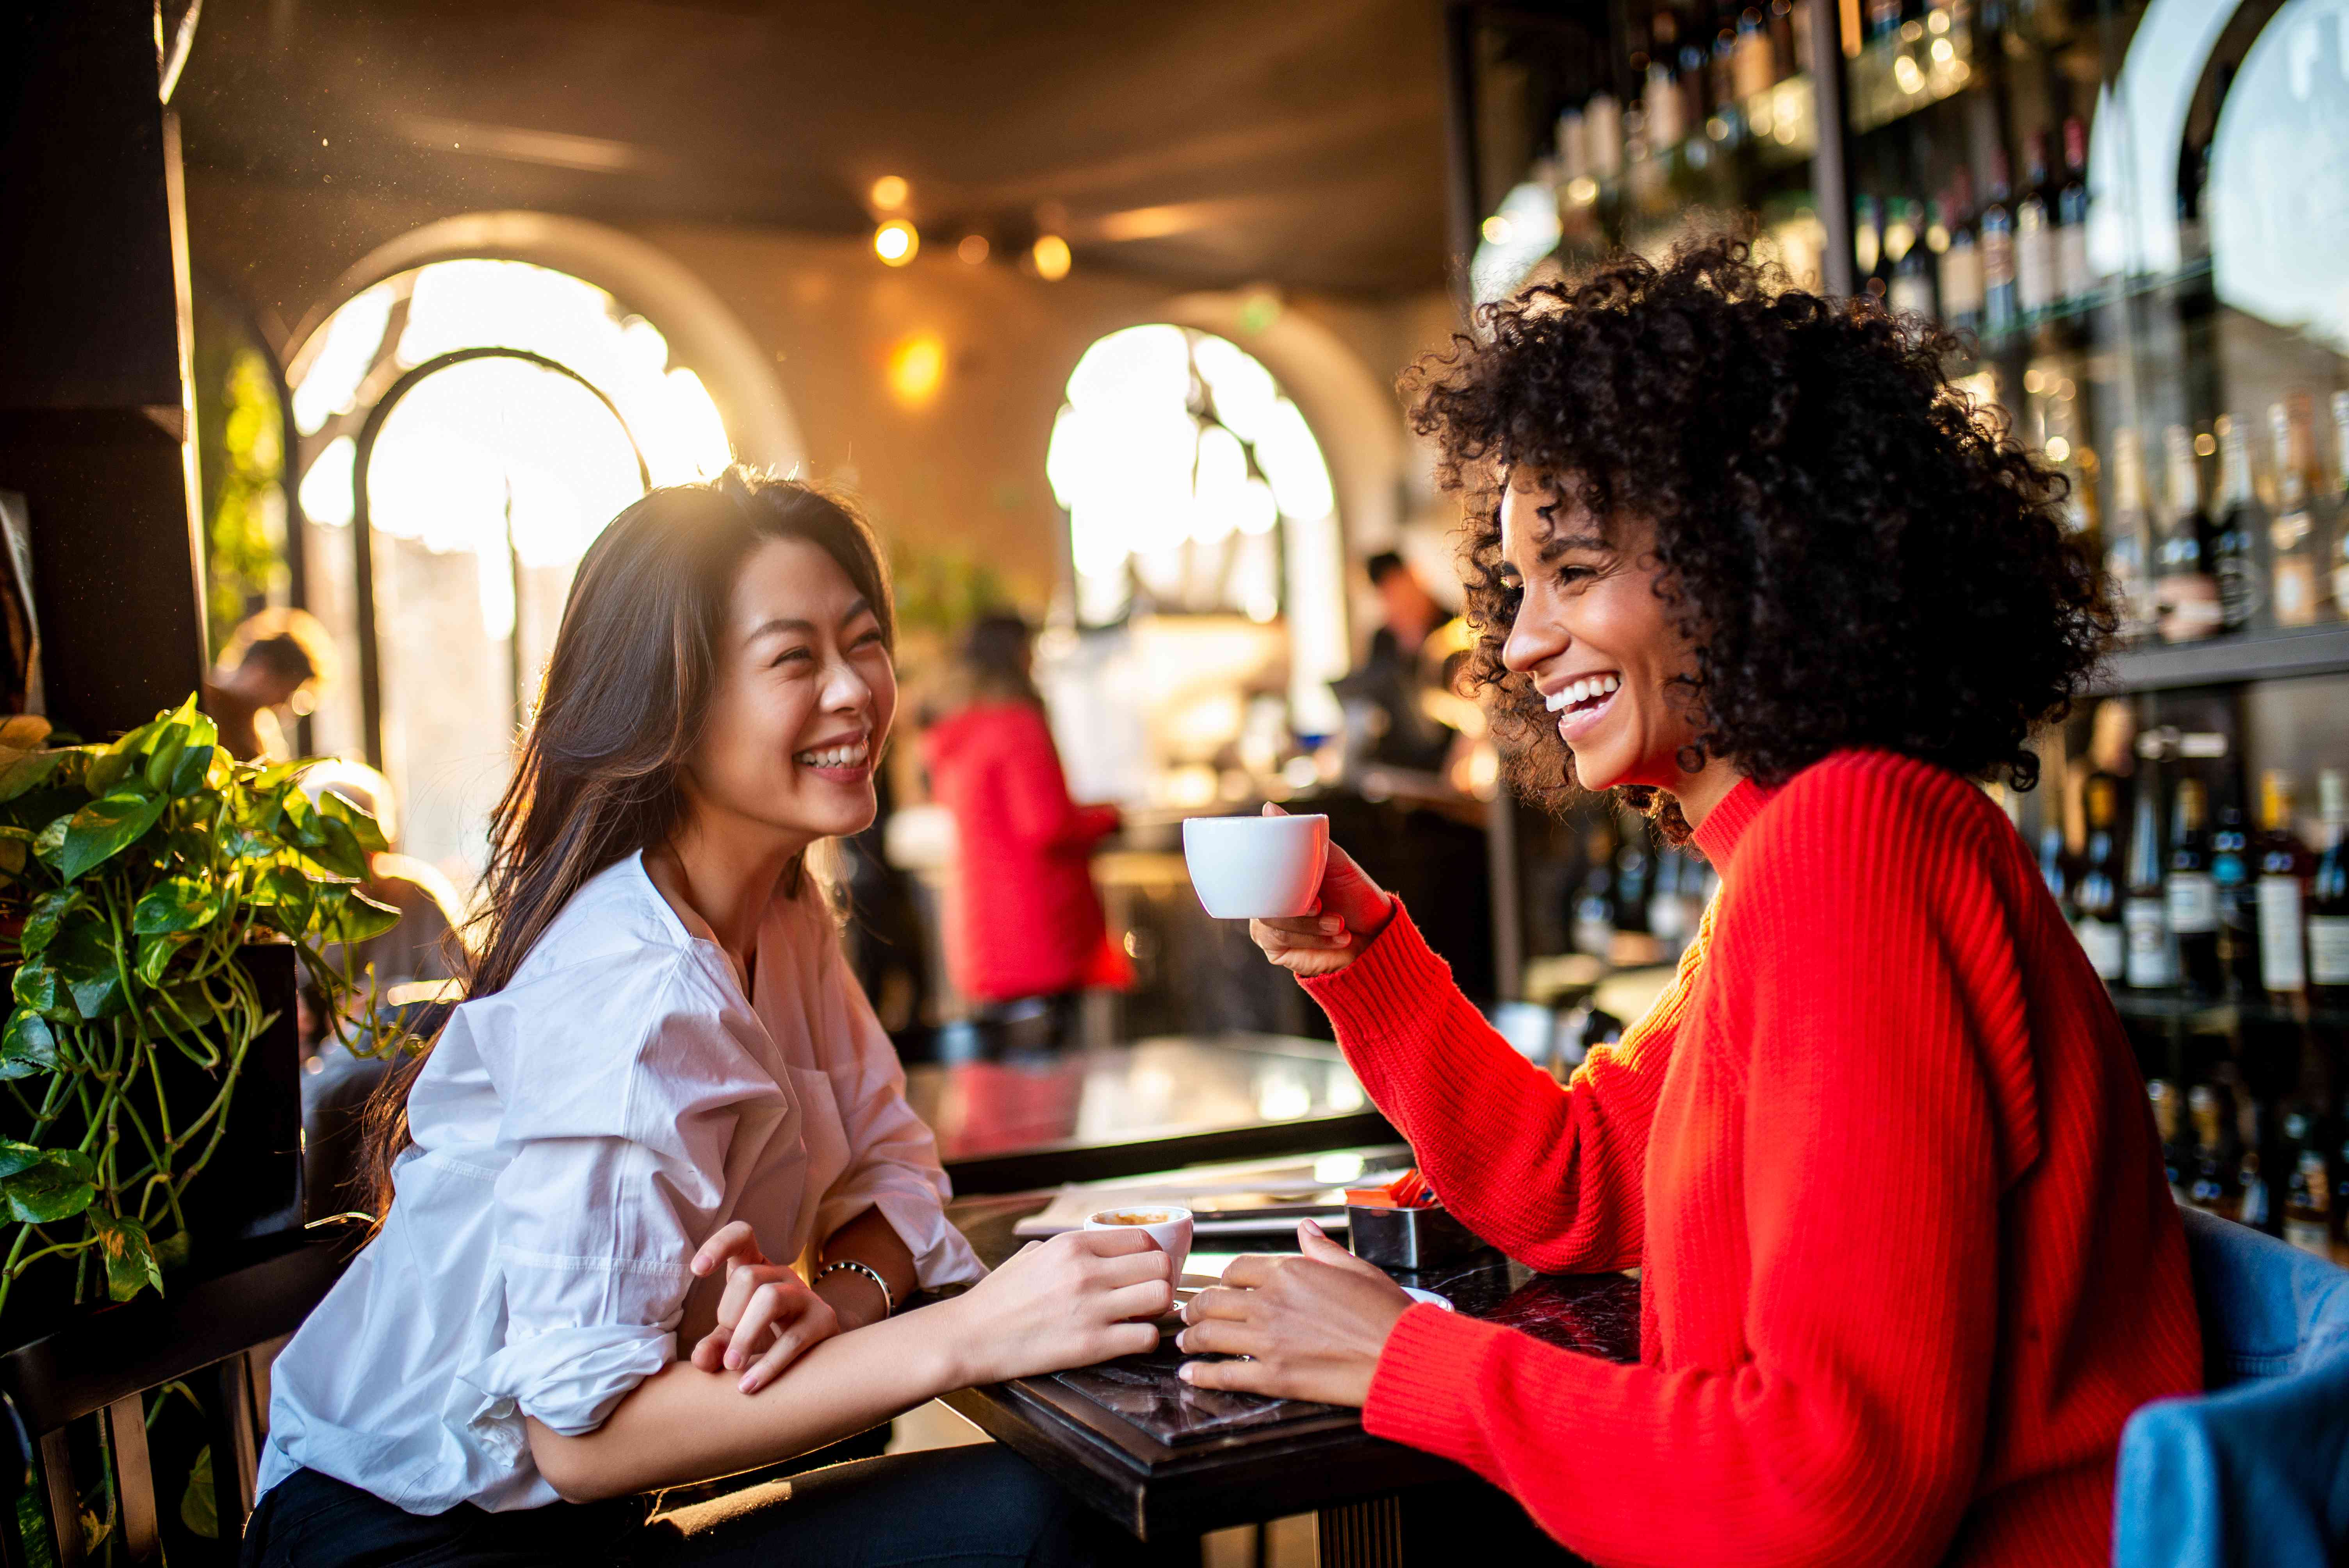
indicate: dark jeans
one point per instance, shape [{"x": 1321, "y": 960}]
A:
[{"x": 979, "y": 1505}]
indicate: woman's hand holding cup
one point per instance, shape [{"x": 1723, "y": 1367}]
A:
[
  {"x": 1082, "y": 1297},
  {"x": 1350, "y": 910}
]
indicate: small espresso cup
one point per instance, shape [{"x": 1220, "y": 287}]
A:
[
  {"x": 1256, "y": 868},
  {"x": 1165, "y": 1223}
]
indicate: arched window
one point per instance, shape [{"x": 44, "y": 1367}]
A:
[
  {"x": 1193, "y": 484},
  {"x": 466, "y": 428}
]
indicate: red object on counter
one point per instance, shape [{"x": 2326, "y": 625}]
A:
[
  {"x": 1908, "y": 1259},
  {"x": 1022, "y": 917}
]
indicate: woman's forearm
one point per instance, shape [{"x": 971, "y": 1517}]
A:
[{"x": 683, "y": 1424}]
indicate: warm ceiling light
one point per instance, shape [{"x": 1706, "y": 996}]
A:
[
  {"x": 896, "y": 241},
  {"x": 1050, "y": 255},
  {"x": 916, "y": 366},
  {"x": 889, "y": 192},
  {"x": 972, "y": 248}
]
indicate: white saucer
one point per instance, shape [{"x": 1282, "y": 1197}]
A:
[{"x": 1429, "y": 1296}]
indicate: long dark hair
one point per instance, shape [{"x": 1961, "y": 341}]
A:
[
  {"x": 626, "y": 693},
  {"x": 995, "y": 652}
]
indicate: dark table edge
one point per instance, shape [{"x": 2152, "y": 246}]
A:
[{"x": 1048, "y": 1165}]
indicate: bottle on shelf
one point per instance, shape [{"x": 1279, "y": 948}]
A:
[
  {"x": 2053, "y": 871},
  {"x": 2294, "y": 594},
  {"x": 2254, "y": 1204},
  {"x": 1883, "y": 19},
  {"x": 2034, "y": 236},
  {"x": 1602, "y": 134},
  {"x": 1662, "y": 90},
  {"x": 1789, "y": 29},
  {"x": 2235, "y": 539},
  {"x": 1912, "y": 268},
  {"x": 1996, "y": 230},
  {"x": 2216, "y": 1183},
  {"x": 2128, "y": 535},
  {"x": 1961, "y": 270},
  {"x": 1867, "y": 244},
  {"x": 2170, "y": 1121},
  {"x": 2184, "y": 588},
  {"x": 1754, "y": 63},
  {"x": 1726, "y": 123},
  {"x": 2235, "y": 882},
  {"x": 2339, "y": 557},
  {"x": 2075, "y": 284},
  {"x": 2281, "y": 890},
  {"x": 2328, "y": 898},
  {"x": 2308, "y": 1192},
  {"x": 2152, "y": 960},
  {"x": 2191, "y": 895},
  {"x": 1594, "y": 904},
  {"x": 2097, "y": 894}
]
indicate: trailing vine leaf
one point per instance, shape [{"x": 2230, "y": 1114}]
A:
[
  {"x": 15, "y": 1157},
  {"x": 130, "y": 1262},
  {"x": 362, "y": 827},
  {"x": 338, "y": 850},
  {"x": 27, "y": 771},
  {"x": 156, "y": 951},
  {"x": 195, "y": 767},
  {"x": 181, "y": 903},
  {"x": 50, "y": 842},
  {"x": 84, "y": 958},
  {"x": 105, "y": 771},
  {"x": 347, "y": 914},
  {"x": 199, "y": 1504},
  {"x": 104, "y": 828},
  {"x": 41, "y": 924},
  {"x": 28, "y": 1046},
  {"x": 36, "y": 986},
  {"x": 58, "y": 1185}
]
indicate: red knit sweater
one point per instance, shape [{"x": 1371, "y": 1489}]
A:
[{"x": 1908, "y": 1259}]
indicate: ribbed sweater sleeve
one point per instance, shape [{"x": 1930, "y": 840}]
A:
[
  {"x": 1859, "y": 1079},
  {"x": 1549, "y": 1175}
]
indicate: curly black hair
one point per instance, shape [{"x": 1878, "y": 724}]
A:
[{"x": 1857, "y": 554}]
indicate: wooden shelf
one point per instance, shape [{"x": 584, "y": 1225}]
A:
[{"x": 2227, "y": 660}]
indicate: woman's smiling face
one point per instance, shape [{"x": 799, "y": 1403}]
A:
[{"x": 1590, "y": 629}]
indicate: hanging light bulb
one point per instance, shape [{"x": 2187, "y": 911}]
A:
[
  {"x": 889, "y": 192},
  {"x": 1050, "y": 255},
  {"x": 896, "y": 241}
]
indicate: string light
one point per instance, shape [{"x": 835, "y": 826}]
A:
[
  {"x": 1050, "y": 255},
  {"x": 889, "y": 192},
  {"x": 896, "y": 241},
  {"x": 972, "y": 248}
]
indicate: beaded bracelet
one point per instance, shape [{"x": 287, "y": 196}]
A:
[{"x": 889, "y": 1301}]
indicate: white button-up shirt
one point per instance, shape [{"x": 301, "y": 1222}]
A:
[{"x": 578, "y": 1135}]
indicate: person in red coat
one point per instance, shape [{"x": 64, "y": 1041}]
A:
[
  {"x": 1881, "y": 1154},
  {"x": 1024, "y": 919}
]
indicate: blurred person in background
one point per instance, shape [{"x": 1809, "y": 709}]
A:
[
  {"x": 1024, "y": 924},
  {"x": 1398, "y": 676},
  {"x": 268, "y": 676}
]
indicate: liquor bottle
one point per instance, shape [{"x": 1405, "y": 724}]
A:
[
  {"x": 2340, "y": 556},
  {"x": 2170, "y": 1121},
  {"x": 2185, "y": 591},
  {"x": 2308, "y": 1194},
  {"x": 2074, "y": 282},
  {"x": 2191, "y": 897},
  {"x": 1883, "y": 19},
  {"x": 2214, "y": 1186},
  {"x": 2328, "y": 898},
  {"x": 2235, "y": 541},
  {"x": 1665, "y": 104},
  {"x": 2152, "y": 963},
  {"x": 2034, "y": 236},
  {"x": 1788, "y": 23},
  {"x": 2283, "y": 868},
  {"x": 2128, "y": 541},
  {"x": 2082, "y": 520},
  {"x": 1912, "y": 269},
  {"x": 1753, "y": 64},
  {"x": 2234, "y": 880},
  {"x": 1996, "y": 224},
  {"x": 2052, "y": 869},
  {"x": 1728, "y": 115},
  {"x": 2254, "y": 1204},
  {"x": 2097, "y": 893},
  {"x": 1602, "y": 133},
  {"x": 1867, "y": 244},
  {"x": 1961, "y": 271},
  {"x": 2293, "y": 594}
]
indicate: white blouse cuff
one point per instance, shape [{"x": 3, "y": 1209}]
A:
[
  {"x": 567, "y": 1379},
  {"x": 941, "y": 1255}
]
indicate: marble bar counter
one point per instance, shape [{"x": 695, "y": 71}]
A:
[{"x": 1170, "y": 1462}]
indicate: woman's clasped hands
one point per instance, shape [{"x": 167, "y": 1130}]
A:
[{"x": 1307, "y": 1327}]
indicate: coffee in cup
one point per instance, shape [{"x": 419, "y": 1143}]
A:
[
  {"x": 1256, "y": 868},
  {"x": 1165, "y": 1224}
]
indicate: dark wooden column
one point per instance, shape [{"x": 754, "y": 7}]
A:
[{"x": 93, "y": 406}]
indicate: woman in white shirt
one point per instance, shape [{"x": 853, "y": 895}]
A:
[{"x": 665, "y": 1076}]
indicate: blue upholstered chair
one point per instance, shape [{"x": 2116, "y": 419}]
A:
[{"x": 2256, "y": 1470}]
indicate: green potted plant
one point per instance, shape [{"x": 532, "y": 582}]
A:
[{"x": 153, "y": 893}]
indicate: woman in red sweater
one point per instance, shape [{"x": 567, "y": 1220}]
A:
[
  {"x": 1880, "y": 1152},
  {"x": 1022, "y": 918}
]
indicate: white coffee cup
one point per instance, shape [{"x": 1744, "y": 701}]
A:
[
  {"x": 1165, "y": 1223},
  {"x": 1256, "y": 868}
]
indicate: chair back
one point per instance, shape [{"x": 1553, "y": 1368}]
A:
[{"x": 2255, "y": 1470}]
